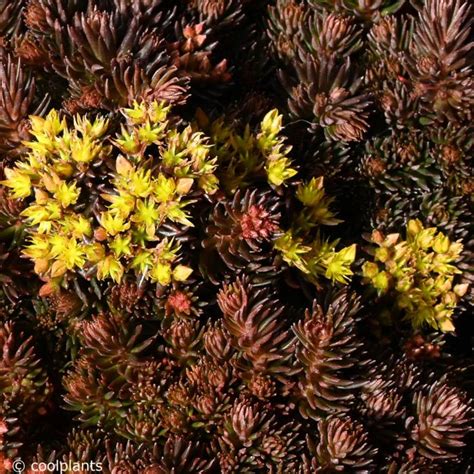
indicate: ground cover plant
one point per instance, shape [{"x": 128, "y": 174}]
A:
[{"x": 236, "y": 236}]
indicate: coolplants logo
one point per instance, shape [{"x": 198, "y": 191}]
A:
[{"x": 19, "y": 466}]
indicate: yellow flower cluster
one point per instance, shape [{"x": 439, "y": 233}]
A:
[
  {"x": 66, "y": 235},
  {"x": 57, "y": 154},
  {"x": 246, "y": 155},
  {"x": 310, "y": 254},
  {"x": 147, "y": 176},
  {"x": 420, "y": 272}
]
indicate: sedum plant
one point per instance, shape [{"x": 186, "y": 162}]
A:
[
  {"x": 186, "y": 302},
  {"x": 245, "y": 154},
  {"x": 118, "y": 231},
  {"x": 419, "y": 272},
  {"x": 147, "y": 177},
  {"x": 309, "y": 252}
]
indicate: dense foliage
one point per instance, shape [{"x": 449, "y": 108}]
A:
[{"x": 235, "y": 236}]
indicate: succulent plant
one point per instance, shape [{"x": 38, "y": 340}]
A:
[
  {"x": 235, "y": 236},
  {"x": 421, "y": 271}
]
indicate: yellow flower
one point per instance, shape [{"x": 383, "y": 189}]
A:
[
  {"x": 110, "y": 267},
  {"x": 455, "y": 249},
  {"x": 158, "y": 111},
  {"x": 73, "y": 255},
  {"x": 67, "y": 251},
  {"x": 414, "y": 227},
  {"x": 67, "y": 195},
  {"x": 146, "y": 213},
  {"x": 370, "y": 270},
  {"x": 63, "y": 169},
  {"x": 311, "y": 193},
  {"x": 38, "y": 248},
  {"x": 171, "y": 157},
  {"x": 84, "y": 150},
  {"x": 139, "y": 184},
  {"x": 142, "y": 261},
  {"x": 271, "y": 123},
  {"x": 99, "y": 127},
  {"x": 381, "y": 281},
  {"x": 19, "y": 182},
  {"x": 166, "y": 250},
  {"x": 137, "y": 114},
  {"x": 41, "y": 147},
  {"x": 382, "y": 254},
  {"x": 338, "y": 265},
  {"x": 50, "y": 126},
  {"x": 425, "y": 238},
  {"x": 113, "y": 223},
  {"x": 78, "y": 225},
  {"x": 175, "y": 212},
  {"x": 164, "y": 188},
  {"x": 279, "y": 170},
  {"x": 122, "y": 204},
  {"x": 293, "y": 250},
  {"x": 34, "y": 163},
  {"x": 121, "y": 245},
  {"x": 45, "y": 227},
  {"x": 58, "y": 243},
  {"x": 36, "y": 214},
  {"x": 441, "y": 243},
  {"x": 92, "y": 129},
  {"x": 127, "y": 142},
  {"x": 149, "y": 134},
  {"x": 161, "y": 273},
  {"x": 209, "y": 183}
]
